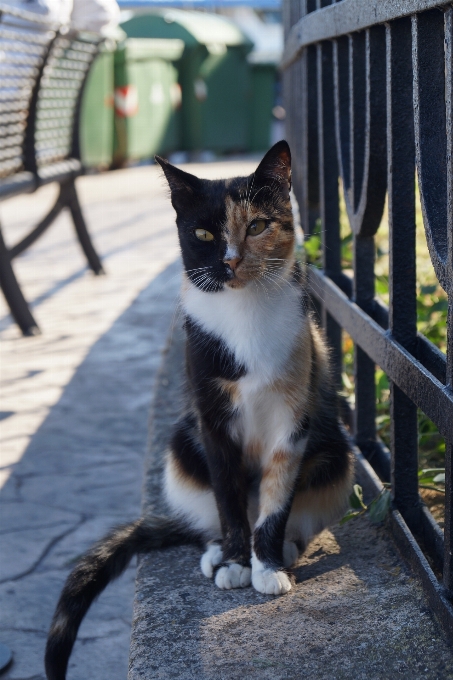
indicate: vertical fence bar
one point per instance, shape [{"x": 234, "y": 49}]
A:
[
  {"x": 364, "y": 369},
  {"x": 312, "y": 177},
  {"x": 363, "y": 287},
  {"x": 305, "y": 140},
  {"x": 402, "y": 272},
  {"x": 448, "y": 526},
  {"x": 328, "y": 184}
]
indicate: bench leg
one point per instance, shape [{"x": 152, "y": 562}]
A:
[
  {"x": 13, "y": 294},
  {"x": 40, "y": 228},
  {"x": 81, "y": 228}
]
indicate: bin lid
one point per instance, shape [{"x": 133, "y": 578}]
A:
[
  {"x": 194, "y": 28},
  {"x": 139, "y": 49}
]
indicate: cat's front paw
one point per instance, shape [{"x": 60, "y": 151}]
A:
[
  {"x": 211, "y": 558},
  {"x": 267, "y": 580},
  {"x": 271, "y": 582},
  {"x": 233, "y": 576}
]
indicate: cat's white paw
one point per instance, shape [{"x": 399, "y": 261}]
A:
[
  {"x": 233, "y": 576},
  {"x": 290, "y": 553},
  {"x": 210, "y": 559},
  {"x": 270, "y": 582}
]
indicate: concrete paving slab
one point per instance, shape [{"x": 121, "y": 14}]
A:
[
  {"x": 74, "y": 403},
  {"x": 356, "y": 610}
]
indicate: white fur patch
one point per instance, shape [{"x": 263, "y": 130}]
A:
[
  {"x": 210, "y": 559},
  {"x": 258, "y": 326},
  {"x": 269, "y": 581},
  {"x": 233, "y": 576},
  {"x": 197, "y": 506},
  {"x": 263, "y": 416}
]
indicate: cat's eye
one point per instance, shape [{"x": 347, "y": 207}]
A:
[
  {"x": 204, "y": 235},
  {"x": 256, "y": 228}
]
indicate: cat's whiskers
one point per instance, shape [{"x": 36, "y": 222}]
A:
[
  {"x": 267, "y": 277},
  {"x": 257, "y": 281},
  {"x": 198, "y": 269},
  {"x": 200, "y": 280},
  {"x": 250, "y": 191}
]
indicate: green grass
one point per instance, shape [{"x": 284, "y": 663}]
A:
[{"x": 431, "y": 322}]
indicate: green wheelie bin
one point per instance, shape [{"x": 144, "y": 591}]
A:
[
  {"x": 147, "y": 99},
  {"x": 213, "y": 73},
  {"x": 264, "y": 77},
  {"x": 96, "y": 114}
]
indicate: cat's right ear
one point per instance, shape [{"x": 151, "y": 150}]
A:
[{"x": 183, "y": 185}]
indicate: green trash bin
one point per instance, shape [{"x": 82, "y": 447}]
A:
[
  {"x": 147, "y": 99},
  {"x": 264, "y": 76},
  {"x": 213, "y": 73},
  {"x": 96, "y": 115}
]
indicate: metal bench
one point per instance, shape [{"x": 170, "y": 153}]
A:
[{"x": 43, "y": 72}]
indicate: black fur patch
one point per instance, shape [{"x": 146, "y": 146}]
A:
[
  {"x": 268, "y": 539},
  {"x": 209, "y": 357},
  {"x": 207, "y": 360},
  {"x": 188, "y": 451}
]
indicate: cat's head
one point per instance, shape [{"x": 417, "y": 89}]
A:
[{"x": 235, "y": 231}]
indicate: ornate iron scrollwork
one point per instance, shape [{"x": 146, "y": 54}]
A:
[
  {"x": 360, "y": 116},
  {"x": 432, "y": 64}
]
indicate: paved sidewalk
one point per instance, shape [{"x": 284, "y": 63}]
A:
[{"x": 74, "y": 405}]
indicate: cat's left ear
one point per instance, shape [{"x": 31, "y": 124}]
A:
[
  {"x": 183, "y": 185},
  {"x": 276, "y": 165}
]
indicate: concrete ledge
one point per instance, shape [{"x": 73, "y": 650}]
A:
[{"x": 356, "y": 610}]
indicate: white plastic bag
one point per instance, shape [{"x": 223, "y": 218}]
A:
[
  {"x": 97, "y": 16},
  {"x": 56, "y": 11}
]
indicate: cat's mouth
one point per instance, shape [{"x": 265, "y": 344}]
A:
[{"x": 232, "y": 280}]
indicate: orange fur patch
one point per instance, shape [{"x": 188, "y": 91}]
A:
[
  {"x": 230, "y": 387},
  {"x": 295, "y": 383},
  {"x": 278, "y": 476},
  {"x": 327, "y": 501},
  {"x": 270, "y": 251}
]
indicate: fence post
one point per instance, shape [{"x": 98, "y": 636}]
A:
[{"x": 402, "y": 282}]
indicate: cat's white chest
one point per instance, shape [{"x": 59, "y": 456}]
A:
[
  {"x": 258, "y": 327},
  {"x": 260, "y": 330}
]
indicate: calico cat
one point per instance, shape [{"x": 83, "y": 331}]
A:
[{"x": 259, "y": 462}]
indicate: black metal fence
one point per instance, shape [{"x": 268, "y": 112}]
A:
[{"x": 368, "y": 88}]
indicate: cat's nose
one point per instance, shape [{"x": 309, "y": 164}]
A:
[
  {"x": 232, "y": 257},
  {"x": 233, "y": 262}
]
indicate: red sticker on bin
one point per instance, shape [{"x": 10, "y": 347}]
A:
[{"x": 126, "y": 101}]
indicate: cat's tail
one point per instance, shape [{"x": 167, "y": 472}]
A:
[{"x": 104, "y": 562}]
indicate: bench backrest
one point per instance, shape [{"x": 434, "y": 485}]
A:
[
  {"x": 24, "y": 43},
  {"x": 54, "y": 126},
  {"x": 43, "y": 71}
]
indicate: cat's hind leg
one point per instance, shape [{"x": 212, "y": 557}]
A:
[
  {"x": 187, "y": 484},
  {"x": 290, "y": 553},
  {"x": 322, "y": 493}
]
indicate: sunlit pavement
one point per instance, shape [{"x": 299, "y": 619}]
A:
[{"x": 75, "y": 402}]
